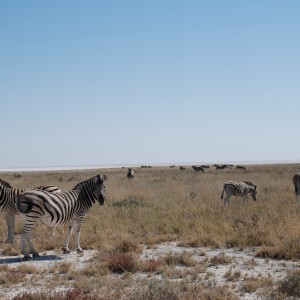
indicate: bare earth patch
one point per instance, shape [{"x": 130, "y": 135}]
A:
[{"x": 241, "y": 271}]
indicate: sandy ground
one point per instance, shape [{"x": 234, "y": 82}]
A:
[{"x": 245, "y": 262}]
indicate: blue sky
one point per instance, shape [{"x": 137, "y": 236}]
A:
[{"x": 142, "y": 82}]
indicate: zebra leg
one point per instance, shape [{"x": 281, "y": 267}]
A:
[
  {"x": 78, "y": 224},
  {"x": 26, "y": 237},
  {"x": 10, "y": 221},
  {"x": 30, "y": 245},
  {"x": 65, "y": 248},
  {"x": 226, "y": 200}
]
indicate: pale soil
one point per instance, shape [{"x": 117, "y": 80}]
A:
[{"x": 245, "y": 262}]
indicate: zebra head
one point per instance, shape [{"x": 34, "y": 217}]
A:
[
  {"x": 99, "y": 190},
  {"x": 253, "y": 192}
]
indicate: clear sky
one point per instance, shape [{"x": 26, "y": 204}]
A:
[{"x": 142, "y": 82}]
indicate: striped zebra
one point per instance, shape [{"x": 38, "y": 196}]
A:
[
  {"x": 8, "y": 198},
  {"x": 130, "y": 173},
  {"x": 58, "y": 209},
  {"x": 238, "y": 189},
  {"x": 296, "y": 182},
  {"x": 198, "y": 168}
]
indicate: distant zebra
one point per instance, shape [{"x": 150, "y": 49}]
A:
[
  {"x": 221, "y": 167},
  {"x": 59, "y": 209},
  {"x": 296, "y": 182},
  {"x": 130, "y": 173},
  {"x": 238, "y": 189},
  {"x": 205, "y": 166},
  {"x": 250, "y": 183},
  {"x": 8, "y": 198},
  {"x": 181, "y": 167},
  {"x": 241, "y": 168},
  {"x": 198, "y": 168}
]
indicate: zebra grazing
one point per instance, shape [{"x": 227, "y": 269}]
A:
[
  {"x": 221, "y": 167},
  {"x": 130, "y": 173},
  {"x": 296, "y": 182},
  {"x": 58, "y": 209},
  {"x": 8, "y": 198},
  {"x": 198, "y": 168},
  {"x": 250, "y": 183},
  {"x": 241, "y": 189},
  {"x": 241, "y": 168}
]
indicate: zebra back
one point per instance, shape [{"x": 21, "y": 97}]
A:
[
  {"x": 78, "y": 200},
  {"x": 4, "y": 184}
]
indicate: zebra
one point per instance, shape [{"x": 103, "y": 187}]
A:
[
  {"x": 198, "y": 168},
  {"x": 58, "y": 209},
  {"x": 130, "y": 173},
  {"x": 241, "y": 189},
  {"x": 296, "y": 182},
  {"x": 8, "y": 198},
  {"x": 241, "y": 168},
  {"x": 221, "y": 167}
]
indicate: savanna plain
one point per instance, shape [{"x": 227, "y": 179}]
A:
[{"x": 165, "y": 234}]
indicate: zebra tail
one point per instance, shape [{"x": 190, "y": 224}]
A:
[
  {"x": 24, "y": 205},
  {"x": 223, "y": 192}
]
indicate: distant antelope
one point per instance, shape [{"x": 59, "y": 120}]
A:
[
  {"x": 130, "y": 173},
  {"x": 238, "y": 189},
  {"x": 296, "y": 182},
  {"x": 241, "y": 167},
  {"x": 17, "y": 175},
  {"x": 198, "y": 168}
]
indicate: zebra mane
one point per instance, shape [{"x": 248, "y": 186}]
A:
[
  {"x": 93, "y": 179},
  {"x": 4, "y": 184}
]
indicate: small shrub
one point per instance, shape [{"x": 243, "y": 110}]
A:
[
  {"x": 183, "y": 259},
  {"x": 127, "y": 246},
  {"x": 290, "y": 286},
  {"x": 151, "y": 265},
  {"x": 9, "y": 250},
  {"x": 12, "y": 276},
  {"x": 220, "y": 259},
  {"x": 121, "y": 262}
]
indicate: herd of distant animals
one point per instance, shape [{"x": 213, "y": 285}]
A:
[{"x": 54, "y": 208}]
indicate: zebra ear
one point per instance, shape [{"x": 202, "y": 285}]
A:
[{"x": 100, "y": 179}]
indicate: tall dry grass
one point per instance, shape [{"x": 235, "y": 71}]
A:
[{"x": 166, "y": 204}]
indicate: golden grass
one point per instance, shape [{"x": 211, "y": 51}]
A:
[{"x": 163, "y": 204}]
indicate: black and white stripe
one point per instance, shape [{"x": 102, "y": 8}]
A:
[
  {"x": 8, "y": 198},
  {"x": 59, "y": 209},
  {"x": 296, "y": 182},
  {"x": 130, "y": 173},
  {"x": 238, "y": 189}
]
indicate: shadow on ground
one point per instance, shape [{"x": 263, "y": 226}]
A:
[{"x": 14, "y": 260}]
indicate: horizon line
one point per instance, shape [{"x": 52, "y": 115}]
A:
[{"x": 115, "y": 166}]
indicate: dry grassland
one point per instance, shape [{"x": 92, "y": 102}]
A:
[{"x": 165, "y": 204}]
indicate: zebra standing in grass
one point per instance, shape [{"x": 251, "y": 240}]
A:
[
  {"x": 130, "y": 173},
  {"x": 241, "y": 189},
  {"x": 296, "y": 182},
  {"x": 8, "y": 198},
  {"x": 59, "y": 209}
]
